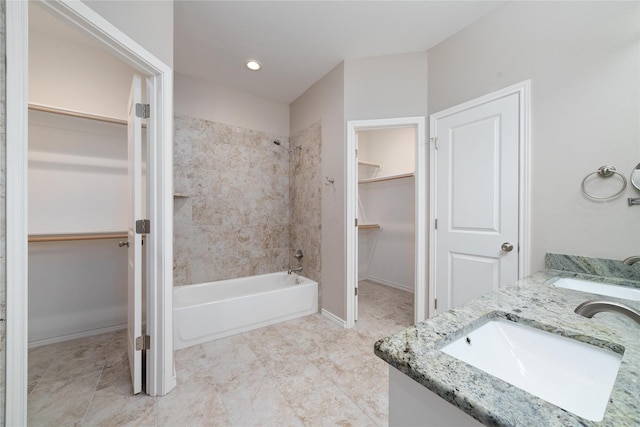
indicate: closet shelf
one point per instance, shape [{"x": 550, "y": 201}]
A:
[
  {"x": 386, "y": 178},
  {"x": 66, "y": 237},
  {"x": 373, "y": 165},
  {"x": 368, "y": 226}
]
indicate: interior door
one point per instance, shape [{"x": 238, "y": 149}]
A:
[
  {"x": 357, "y": 237},
  {"x": 476, "y": 201},
  {"x": 134, "y": 281}
]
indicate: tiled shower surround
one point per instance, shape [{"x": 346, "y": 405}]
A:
[{"x": 233, "y": 215}]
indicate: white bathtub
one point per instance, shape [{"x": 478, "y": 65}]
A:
[{"x": 209, "y": 311}]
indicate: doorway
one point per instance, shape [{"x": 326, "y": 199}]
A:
[
  {"x": 479, "y": 197},
  {"x": 393, "y": 180},
  {"x": 161, "y": 378}
]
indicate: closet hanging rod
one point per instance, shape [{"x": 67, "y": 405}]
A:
[
  {"x": 78, "y": 114},
  {"x": 37, "y": 238}
]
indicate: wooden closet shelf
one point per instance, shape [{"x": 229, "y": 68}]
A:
[
  {"x": 368, "y": 226},
  {"x": 33, "y": 238},
  {"x": 373, "y": 165},
  {"x": 386, "y": 178}
]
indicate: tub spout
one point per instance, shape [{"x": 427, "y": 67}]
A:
[
  {"x": 294, "y": 270},
  {"x": 589, "y": 308}
]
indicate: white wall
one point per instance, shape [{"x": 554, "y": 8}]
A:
[
  {"x": 393, "y": 149},
  {"x": 77, "y": 178},
  {"x": 77, "y": 175},
  {"x": 149, "y": 23},
  {"x": 209, "y": 101},
  {"x": 73, "y": 73},
  {"x": 583, "y": 59},
  {"x": 72, "y": 293},
  {"x": 324, "y": 101},
  {"x": 388, "y": 254}
]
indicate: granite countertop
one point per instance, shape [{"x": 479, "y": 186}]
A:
[{"x": 415, "y": 352}]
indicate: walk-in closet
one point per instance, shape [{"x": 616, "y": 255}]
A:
[
  {"x": 386, "y": 207},
  {"x": 78, "y": 215}
]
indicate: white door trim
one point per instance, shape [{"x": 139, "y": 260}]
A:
[
  {"x": 420, "y": 205},
  {"x": 161, "y": 378},
  {"x": 523, "y": 89}
]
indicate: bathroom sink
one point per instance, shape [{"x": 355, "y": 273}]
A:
[
  {"x": 573, "y": 375},
  {"x": 625, "y": 292}
]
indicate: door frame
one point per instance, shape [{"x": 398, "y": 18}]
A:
[
  {"x": 161, "y": 377},
  {"x": 353, "y": 126},
  {"x": 523, "y": 90}
]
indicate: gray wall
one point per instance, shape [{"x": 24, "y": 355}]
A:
[
  {"x": 583, "y": 59},
  {"x": 387, "y": 86},
  {"x": 324, "y": 102},
  {"x": 3, "y": 258}
]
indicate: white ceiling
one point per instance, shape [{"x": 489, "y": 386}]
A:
[{"x": 298, "y": 42}]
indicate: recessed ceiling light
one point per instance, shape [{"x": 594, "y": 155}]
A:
[{"x": 253, "y": 65}]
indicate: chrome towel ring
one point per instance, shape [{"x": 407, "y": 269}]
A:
[{"x": 605, "y": 171}]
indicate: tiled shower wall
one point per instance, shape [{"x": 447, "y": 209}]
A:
[
  {"x": 3, "y": 235},
  {"x": 305, "y": 184},
  {"x": 232, "y": 202}
]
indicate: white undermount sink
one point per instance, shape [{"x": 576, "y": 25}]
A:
[
  {"x": 607, "y": 289},
  {"x": 573, "y": 375}
]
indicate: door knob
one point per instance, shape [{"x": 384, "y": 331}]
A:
[
  {"x": 507, "y": 247},
  {"x": 126, "y": 243}
]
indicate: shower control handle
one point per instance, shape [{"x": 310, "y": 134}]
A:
[
  {"x": 125, "y": 243},
  {"x": 507, "y": 247}
]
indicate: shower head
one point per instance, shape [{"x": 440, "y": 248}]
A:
[{"x": 277, "y": 142}]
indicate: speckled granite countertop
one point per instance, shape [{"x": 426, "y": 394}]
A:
[{"x": 415, "y": 352}]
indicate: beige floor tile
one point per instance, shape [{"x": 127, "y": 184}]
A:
[{"x": 304, "y": 372}]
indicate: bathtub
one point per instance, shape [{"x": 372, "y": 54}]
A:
[{"x": 208, "y": 311}]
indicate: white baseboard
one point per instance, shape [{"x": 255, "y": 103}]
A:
[
  {"x": 69, "y": 337},
  {"x": 390, "y": 284},
  {"x": 333, "y": 318}
]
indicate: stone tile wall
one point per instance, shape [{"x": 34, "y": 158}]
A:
[
  {"x": 305, "y": 195},
  {"x": 234, "y": 218},
  {"x": 3, "y": 269}
]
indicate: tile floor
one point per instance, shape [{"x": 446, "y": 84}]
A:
[{"x": 305, "y": 372}]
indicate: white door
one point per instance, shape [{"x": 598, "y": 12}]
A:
[
  {"x": 476, "y": 249},
  {"x": 355, "y": 232},
  {"x": 135, "y": 240}
]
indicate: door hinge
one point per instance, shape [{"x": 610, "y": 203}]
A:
[
  {"x": 143, "y": 111},
  {"x": 143, "y": 226},
  {"x": 434, "y": 139},
  {"x": 356, "y": 291},
  {"x": 356, "y": 153},
  {"x": 436, "y": 223},
  {"x": 435, "y": 303},
  {"x": 143, "y": 343},
  {"x": 356, "y": 222}
]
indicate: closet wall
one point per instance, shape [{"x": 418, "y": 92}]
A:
[
  {"x": 77, "y": 184},
  {"x": 387, "y": 254}
]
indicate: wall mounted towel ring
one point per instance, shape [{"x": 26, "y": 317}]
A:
[
  {"x": 605, "y": 171},
  {"x": 635, "y": 176}
]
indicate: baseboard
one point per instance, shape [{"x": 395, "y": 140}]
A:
[
  {"x": 390, "y": 284},
  {"x": 69, "y": 337},
  {"x": 333, "y": 318}
]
